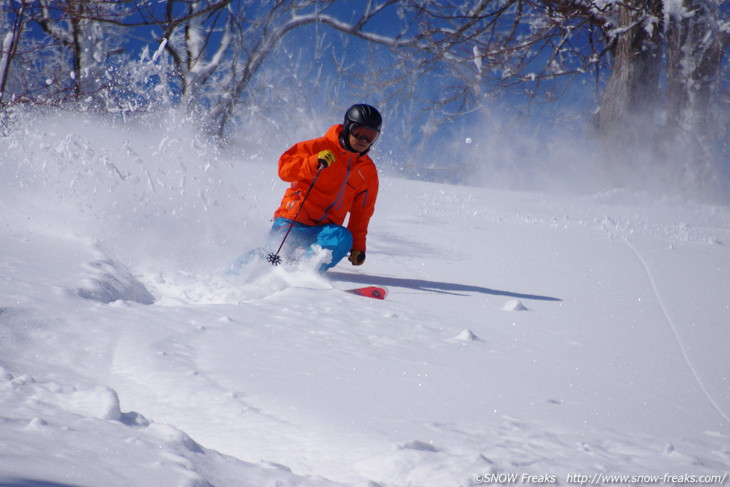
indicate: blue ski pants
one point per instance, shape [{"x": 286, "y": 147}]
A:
[{"x": 335, "y": 238}]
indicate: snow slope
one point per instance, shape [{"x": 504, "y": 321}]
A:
[{"x": 525, "y": 333}]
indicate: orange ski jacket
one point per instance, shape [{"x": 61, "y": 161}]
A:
[{"x": 349, "y": 185}]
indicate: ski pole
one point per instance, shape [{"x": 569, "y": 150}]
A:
[{"x": 274, "y": 258}]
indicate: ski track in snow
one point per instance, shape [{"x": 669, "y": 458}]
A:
[
  {"x": 676, "y": 334},
  {"x": 519, "y": 335}
]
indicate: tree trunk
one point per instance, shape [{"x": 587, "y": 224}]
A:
[
  {"x": 694, "y": 53},
  {"x": 626, "y": 120},
  {"x": 696, "y": 44},
  {"x": 9, "y": 47}
]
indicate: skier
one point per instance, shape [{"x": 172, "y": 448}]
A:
[{"x": 330, "y": 177}]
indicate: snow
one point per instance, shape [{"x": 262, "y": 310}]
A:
[{"x": 525, "y": 333}]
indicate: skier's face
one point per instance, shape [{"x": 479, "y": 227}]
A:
[{"x": 361, "y": 138}]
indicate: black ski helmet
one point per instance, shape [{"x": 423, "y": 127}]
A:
[{"x": 360, "y": 114}]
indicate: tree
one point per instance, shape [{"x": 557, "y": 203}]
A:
[
  {"x": 697, "y": 40},
  {"x": 58, "y": 52},
  {"x": 632, "y": 91},
  {"x": 658, "y": 68},
  {"x": 81, "y": 28},
  {"x": 219, "y": 47},
  {"x": 664, "y": 60},
  {"x": 14, "y": 22},
  {"x": 216, "y": 46}
]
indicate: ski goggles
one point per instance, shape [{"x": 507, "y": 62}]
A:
[{"x": 364, "y": 134}]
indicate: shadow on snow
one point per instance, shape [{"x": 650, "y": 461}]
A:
[
  {"x": 18, "y": 482},
  {"x": 432, "y": 286}
]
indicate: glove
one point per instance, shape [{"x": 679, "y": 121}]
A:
[
  {"x": 325, "y": 158},
  {"x": 357, "y": 257}
]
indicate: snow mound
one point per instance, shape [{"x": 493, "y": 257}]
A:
[
  {"x": 514, "y": 305},
  {"x": 93, "y": 443},
  {"x": 93, "y": 402},
  {"x": 466, "y": 336}
]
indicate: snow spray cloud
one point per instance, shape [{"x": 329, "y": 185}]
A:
[
  {"x": 490, "y": 150},
  {"x": 133, "y": 186},
  {"x": 568, "y": 157}
]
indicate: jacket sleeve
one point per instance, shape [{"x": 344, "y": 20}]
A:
[
  {"x": 362, "y": 209},
  {"x": 300, "y": 161}
]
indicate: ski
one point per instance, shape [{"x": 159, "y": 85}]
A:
[{"x": 369, "y": 292}]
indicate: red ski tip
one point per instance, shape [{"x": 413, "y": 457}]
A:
[{"x": 370, "y": 292}]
